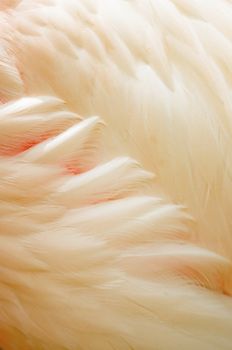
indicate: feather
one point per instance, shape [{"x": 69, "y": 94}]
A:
[{"x": 115, "y": 231}]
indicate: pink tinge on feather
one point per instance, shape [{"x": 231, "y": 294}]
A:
[
  {"x": 73, "y": 168},
  {"x": 12, "y": 149}
]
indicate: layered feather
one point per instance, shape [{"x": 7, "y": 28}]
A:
[
  {"x": 88, "y": 259},
  {"x": 93, "y": 252}
]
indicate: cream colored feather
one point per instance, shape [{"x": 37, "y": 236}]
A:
[{"x": 115, "y": 231}]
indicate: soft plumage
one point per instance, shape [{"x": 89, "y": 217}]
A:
[{"x": 115, "y": 231}]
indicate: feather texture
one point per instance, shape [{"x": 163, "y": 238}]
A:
[{"x": 115, "y": 231}]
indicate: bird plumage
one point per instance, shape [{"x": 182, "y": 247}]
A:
[{"x": 95, "y": 252}]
